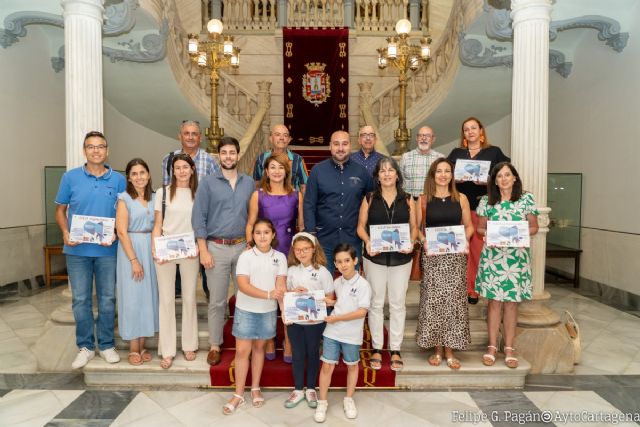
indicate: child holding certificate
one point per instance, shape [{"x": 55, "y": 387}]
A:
[
  {"x": 504, "y": 273},
  {"x": 262, "y": 277},
  {"x": 307, "y": 272}
]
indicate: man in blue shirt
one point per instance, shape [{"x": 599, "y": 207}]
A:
[
  {"x": 91, "y": 190},
  {"x": 219, "y": 218},
  {"x": 335, "y": 190},
  {"x": 367, "y": 156}
]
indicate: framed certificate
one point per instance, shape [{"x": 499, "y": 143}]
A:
[
  {"x": 175, "y": 246},
  {"x": 305, "y": 307},
  {"x": 91, "y": 229},
  {"x": 390, "y": 237},
  {"x": 508, "y": 234},
  {"x": 445, "y": 240},
  {"x": 472, "y": 170}
]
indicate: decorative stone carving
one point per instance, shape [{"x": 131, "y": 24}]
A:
[
  {"x": 15, "y": 23},
  {"x": 153, "y": 48},
  {"x": 119, "y": 18}
]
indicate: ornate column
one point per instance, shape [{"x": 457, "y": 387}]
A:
[
  {"x": 540, "y": 337},
  {"x": 414, "y": 15},
  {"x": 83, "y": 73}
]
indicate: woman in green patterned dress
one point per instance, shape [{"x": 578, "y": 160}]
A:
[{"x": 504, "y": 274}]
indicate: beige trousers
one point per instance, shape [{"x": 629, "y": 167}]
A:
[{"x": 166, "y": 273}]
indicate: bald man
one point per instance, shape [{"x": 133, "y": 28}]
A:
[
  {"x": 335, "y": 190},
  {"x": 367, "y": 156},
  {"x": 415, "y": 163}
]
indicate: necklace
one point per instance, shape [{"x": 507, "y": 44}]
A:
[
  {"x": 443, "y": 198},
  {"x": 387, "y": 210}
]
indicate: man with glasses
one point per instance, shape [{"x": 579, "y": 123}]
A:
[
  {"x": 280, "y": 139},
  {"x": 367, "y": 156},
  {"x": 91, "y": 190},
  {"x": 415, "y": 164},
  {"x": 206, "y": 164}
]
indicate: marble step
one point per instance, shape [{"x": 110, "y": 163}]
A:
[
  {"x": 182, "y": 373},
  {"x": 152, "y": 342},
  {"x": 418, "y": 374},
  {"x": 477, "y": 327}
]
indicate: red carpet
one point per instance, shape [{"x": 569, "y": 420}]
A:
[
  {"x": 276, "y": 373},
  {"x": 311, "y": 156}
]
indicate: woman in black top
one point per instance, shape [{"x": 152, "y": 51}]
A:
[
  {"x": 387, "y": 272},
  {"x": 474, "y": 145},
  {"x": 443, "y": 317}
]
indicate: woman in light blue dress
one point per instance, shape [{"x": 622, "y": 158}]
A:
[{"x": 137, "y": 287}]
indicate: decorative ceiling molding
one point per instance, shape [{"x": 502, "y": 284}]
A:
[
  {"x": 473, "y": 53},
  {"x": 119, "y": 18},
  {"x": 153, "y": 48}
]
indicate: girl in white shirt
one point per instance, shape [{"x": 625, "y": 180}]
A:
[
  {"x": 307, "y": 272},
  {"x": 262, "y": 276}
]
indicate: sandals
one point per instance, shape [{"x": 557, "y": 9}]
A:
[
  {"x": 376, "y": 362},
  {"x": 396, "y": 364},
  {"x": 435, "y": 359},
  {"x": 453, "y": 363},
  {"x": 489, "y": 359},
  {"x": 135, "y": 358},
  {"x": 189, "y": 356},
  {"x": 166, "y": 362},
  {"x": 146, "y": 356},
  {"x": 510, "y": 361},
  {"x": 257, "y": 401},
  {"x": 229, "y": 408}
]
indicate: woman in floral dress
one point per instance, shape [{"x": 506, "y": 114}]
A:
[{"x": 504, "y": 274}]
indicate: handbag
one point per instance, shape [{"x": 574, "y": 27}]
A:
[
  {"x": 416, "y": 267},
  {"x": 574, "y": 334}
]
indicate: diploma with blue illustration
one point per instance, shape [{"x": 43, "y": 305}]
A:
[
  {"x": 175, "y": 246},
  {"x": 91, "y": 229},
  {"x": 304, "y": 307},
  {"x": 445, "y": 240},
  {"x": 472, "y": 170},
  {"x": 508, "y": 234},
  {"x": 390, "y": 237}
]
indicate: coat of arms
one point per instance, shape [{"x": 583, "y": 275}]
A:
[{"x": 315, "y": 83}]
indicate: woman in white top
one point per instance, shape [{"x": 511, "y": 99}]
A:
[
  {"x": 307, "y": 272},
  {"x": 262, "y": 276},
  {"x": 173, "y": 207}
]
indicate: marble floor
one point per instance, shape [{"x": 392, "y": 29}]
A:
[{"x": 603, "y": 390}]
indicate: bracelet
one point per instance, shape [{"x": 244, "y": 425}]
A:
[{"x": 133, "y": 259}]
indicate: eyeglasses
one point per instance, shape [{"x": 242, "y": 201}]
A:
[
  {"x": 425, "y": 135},
  {"x": 303, "y": 250},
  {"x": 367, "y": 135},
  {"x": 277, "y": 134},
  {"x": 92, "y": 147}
]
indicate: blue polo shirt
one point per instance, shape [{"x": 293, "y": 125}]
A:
[
  {"x": 86, "y": 194},
  {"x": 221, "y": 211},
  {"x": 332, "y": 200},
  {"x": 370, "y": 162}
]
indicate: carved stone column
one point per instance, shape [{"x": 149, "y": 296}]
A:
[
  {"x": 264, "y": 98},
  {"x": 83, "y": 73},
  {"x": 540, "y": 338}
]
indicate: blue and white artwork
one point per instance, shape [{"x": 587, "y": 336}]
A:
[
  {"x": 175, "y": 246},
  {"x": 510, "y": 234},
  {"x": 472, "y": 170},
  {"x": 91, "y": 229},
  {"x": 305, "y": 307},
  {"x": 390, "y": 237},
  {"x": 445, "y": 240}
]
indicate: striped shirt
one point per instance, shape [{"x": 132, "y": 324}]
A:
[
  {"x": 414, "y": 167},
  {"x": 206, "y": 164}
]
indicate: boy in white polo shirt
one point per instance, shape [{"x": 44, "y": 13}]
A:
[{"x": 343, "y": 333}]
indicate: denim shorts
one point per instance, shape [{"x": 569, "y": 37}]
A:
[
  {"x": 254, "y": 326},
  {"x": 331, "y": 350}
]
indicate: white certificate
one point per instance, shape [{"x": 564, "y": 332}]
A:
[
  {"x": 508, "y": 234},
  {"x": 445, "y": 240},
  {"x": 305, "y": 307},
  {"x": 91, "y": 229},
  {"x": 175, "y": 246},
  {"x": 472, "y": 170},
  {"x": 390, "y": 237}
]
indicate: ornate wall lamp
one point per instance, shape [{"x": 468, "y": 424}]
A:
[
  {"x": 213, "y": 53},
  {"x": 404, "y": 56}
]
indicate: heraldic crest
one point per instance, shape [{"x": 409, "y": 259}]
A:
[{"x": 315, "y": 83}]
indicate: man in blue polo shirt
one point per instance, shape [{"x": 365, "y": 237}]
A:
[
  {"x": 280, "y": 139},
  {"x": 335, "y": 190},
  {"x": 367, "y": 156},
  {"x": 91, "y": 190}
]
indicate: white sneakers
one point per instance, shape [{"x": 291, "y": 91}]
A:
[
  {"x": 321, "y": 411},
  {"x": 349, "y": 406},
  {"x": 296, "y": 397},
  {"x": 110, "y": 355},
  {"x": 82, "y": 358},
  {"x": 312, "y": 397}
]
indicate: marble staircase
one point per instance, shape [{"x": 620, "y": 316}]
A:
[{"x": 417, "y": 373}]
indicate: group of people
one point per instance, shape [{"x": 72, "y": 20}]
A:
[{"x": 287, "y": 230}]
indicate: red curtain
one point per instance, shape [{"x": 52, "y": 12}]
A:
[{"x": 316, "y": 83}]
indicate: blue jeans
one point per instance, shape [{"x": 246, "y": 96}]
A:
[{"x": 82, "y": 270}]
